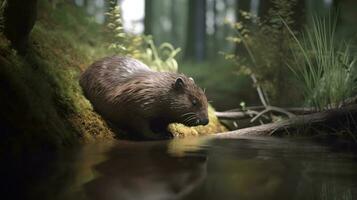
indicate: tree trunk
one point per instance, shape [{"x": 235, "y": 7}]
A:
[
  {"x": 19, "y": 19},
  {"x": 149, "y": 6},
  {"x": 174, "y": 23},
  {"x": 299, "y": 15},
  {"x": 196, "y": 31},
  {"x": 264, "y": 7},
  {"x": 85, "y": 3},
  {"x": 215, "y": 25}
]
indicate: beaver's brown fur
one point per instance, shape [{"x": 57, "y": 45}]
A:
[{"x": 129, "y": 94}]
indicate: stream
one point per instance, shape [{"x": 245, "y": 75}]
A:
[{"x": 189, "y": 169}]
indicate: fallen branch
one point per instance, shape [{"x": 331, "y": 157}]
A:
[
  {"x": 238, "y": 113},
  {"x": 272, "y": 109},
  {"x": 334, "y": 118}
]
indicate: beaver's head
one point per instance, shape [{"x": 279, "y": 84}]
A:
[{"x": 189, "y": 103}]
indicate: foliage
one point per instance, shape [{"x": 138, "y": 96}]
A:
[
  {"x": 160, "y": 58},
  {"x": 142, "y": 47},
  {"x": 263, "y": 47},
  {"x": 122, "y": 42},
  {"x": 328, "y": 71}
]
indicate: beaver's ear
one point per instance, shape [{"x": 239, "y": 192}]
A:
[{"x": 179, "y": 84}]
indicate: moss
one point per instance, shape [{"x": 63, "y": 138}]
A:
[
  {"x": 42, "y": 103},
  {"x": 214, "y": 126}
]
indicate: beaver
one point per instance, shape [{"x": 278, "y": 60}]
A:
[{"x": 130, "y": 95}]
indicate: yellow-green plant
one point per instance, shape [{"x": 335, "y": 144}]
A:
[
  {"x": 142, "y": 47},
  {"x": 160, "y": 58}
]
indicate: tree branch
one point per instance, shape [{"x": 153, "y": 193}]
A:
[{"x": 334, "y": 118}]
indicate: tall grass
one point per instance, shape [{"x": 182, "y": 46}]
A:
[{"x": 325, "y": 66}]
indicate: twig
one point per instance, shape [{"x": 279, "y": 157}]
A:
[
  {"x": 273, "y": 109},
  {"x": 237, "y": 115},
  {"x": 259, "y": 115},
  {"x": 294, "y": 110},
  {"x": 259, "y": 90}
]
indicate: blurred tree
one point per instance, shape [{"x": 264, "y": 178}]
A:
[
  {"x": 299, "y": 15},
  {"x": 264, "y": 6},
  {"x": 215, "y": 28},
  {"x": 53, "y": 3},
  {"x": 174, "y": 23},
  {"x": 196, "y": 31},
  {"x": 241, "y": 5},
  {"x": 149, "y": 6},
  {"x": 336, "y": 3},
  {"x": 298, "y": 11},
  {"x": 85, "y": 3},
  {"x": 19, "y": 19}
]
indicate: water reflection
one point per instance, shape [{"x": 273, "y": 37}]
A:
[
  {"x": 189, "y": 169},
  {"x": 145, "y": 171}
]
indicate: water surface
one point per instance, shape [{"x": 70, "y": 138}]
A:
[{"x": 190, "y": 169}]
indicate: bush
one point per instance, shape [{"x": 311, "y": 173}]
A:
[{"x": 263, "y": 48}]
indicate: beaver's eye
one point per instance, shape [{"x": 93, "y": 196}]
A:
[{"x": 194, "y": 102}]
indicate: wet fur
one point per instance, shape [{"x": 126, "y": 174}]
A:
[{"x": 129, "y": 94}]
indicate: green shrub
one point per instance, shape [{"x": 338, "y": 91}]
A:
[{"x": 263, "y": 48}]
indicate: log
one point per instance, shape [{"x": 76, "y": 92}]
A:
[{"x": 329, "y": 119}]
